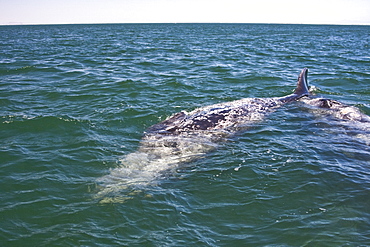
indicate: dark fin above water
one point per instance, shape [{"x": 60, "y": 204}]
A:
[
  {"x": 302, "y": 84},
  {"x": 301, "y": 89}
]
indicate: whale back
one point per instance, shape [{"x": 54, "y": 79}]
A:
[{"x": 187, "y": 136}]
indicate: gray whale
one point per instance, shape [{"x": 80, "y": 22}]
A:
[
  {"x": 186, "y": 136},
  {"x": 336, "y": 109}
]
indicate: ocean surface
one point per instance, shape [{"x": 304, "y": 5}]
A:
[{"x": 76, "y": 100}]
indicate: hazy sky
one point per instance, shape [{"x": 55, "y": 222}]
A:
[{"x": 147, "y": 11}]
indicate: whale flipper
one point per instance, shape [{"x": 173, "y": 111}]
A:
[
  {"x": 302, "y": 84},
  {"x": 301, "y": 89}
]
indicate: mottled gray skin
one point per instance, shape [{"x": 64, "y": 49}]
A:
[
  {"x": 229, "y": 114},
  {"x": 186, "y": 135},
  {"x": 336, "y": 109}
]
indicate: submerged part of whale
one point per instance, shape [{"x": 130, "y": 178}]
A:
[{"x": 186, "y": 136}]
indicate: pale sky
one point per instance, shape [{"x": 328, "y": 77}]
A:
[{"x": 183, "y": 11}]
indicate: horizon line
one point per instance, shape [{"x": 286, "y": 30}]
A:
[{"x": 117, "y": 23}]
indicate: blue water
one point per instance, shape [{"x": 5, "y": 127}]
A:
[{"x": 76, "y": 100}]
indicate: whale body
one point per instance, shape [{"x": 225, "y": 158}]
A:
[
  {"x": 336, "y": 109},
  {"x": 187, "y": 136}
]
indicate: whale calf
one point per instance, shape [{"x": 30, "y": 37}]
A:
[
  {"x": 186, "y": 136},
  {"x": 336, "y": 109},
  {"x": 339, "y": 117}
]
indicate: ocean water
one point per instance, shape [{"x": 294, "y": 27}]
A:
[{"x": 76, "y": 100}]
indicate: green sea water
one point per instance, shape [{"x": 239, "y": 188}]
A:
[{"x": 76, "y": 100}]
